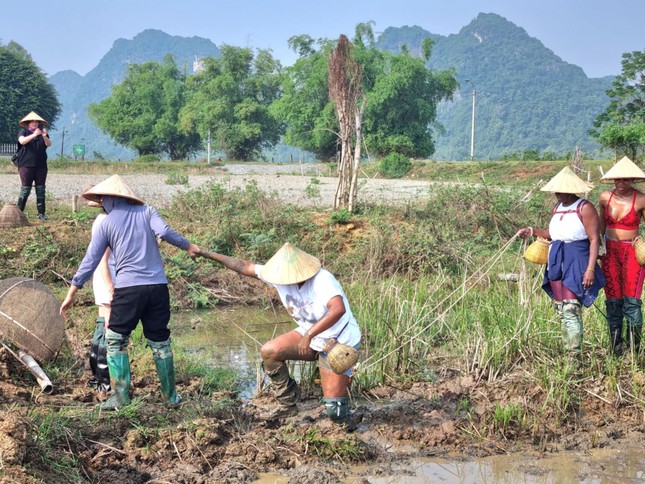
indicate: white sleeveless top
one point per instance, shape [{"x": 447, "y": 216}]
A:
[{"x": 566, "y": 224}]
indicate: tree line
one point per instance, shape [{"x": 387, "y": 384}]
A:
[{"x": 245, "y": 102}]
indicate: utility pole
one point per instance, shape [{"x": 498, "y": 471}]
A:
[
  {"x": 472, "y": 123},
  {"x": 208, "y": 148},
  {"x": 62, "y": 141}
]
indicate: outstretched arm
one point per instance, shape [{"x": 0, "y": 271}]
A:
[{"x": 240, "y": 266}]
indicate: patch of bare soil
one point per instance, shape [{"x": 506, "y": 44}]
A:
[{"x": 218, "y": 438}]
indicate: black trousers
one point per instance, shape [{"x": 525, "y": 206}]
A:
[{"x": 148, "y": 304}]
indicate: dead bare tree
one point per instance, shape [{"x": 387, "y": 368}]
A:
[{"x": 346, "y": 94}]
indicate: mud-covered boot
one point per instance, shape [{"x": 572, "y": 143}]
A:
[
  {"x": 615, "y": 322},
  {"x": 40, "y": 201},
  {"x": 119, "y": 365},
  {"x": 164, "y": 362},
  {"x": 287, "y": 394},
  {"x": 572, "y": 326},
  {"x": 22, "y": 198},
  {"x": 634, "y": 317},
  {"x": 98, "y": 359}
]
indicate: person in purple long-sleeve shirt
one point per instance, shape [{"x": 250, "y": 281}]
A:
[{"x": 130, "y": 230}]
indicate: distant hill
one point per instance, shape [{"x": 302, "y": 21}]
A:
[
  {"x": 526, "y": 96},
  {"x": 76, "y": 92}
]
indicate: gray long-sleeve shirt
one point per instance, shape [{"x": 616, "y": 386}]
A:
[{"x": 131, "y": 232}]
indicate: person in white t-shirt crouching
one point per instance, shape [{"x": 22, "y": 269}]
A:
[{"x": 317, "y": 303}]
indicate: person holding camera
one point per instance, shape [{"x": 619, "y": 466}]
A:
[{"x": 32, "y": 165}]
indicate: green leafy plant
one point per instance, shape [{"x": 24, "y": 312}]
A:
[
  {"x": 394, "y": 165},
  {"x": 312, "y": 190},
  {"x": 177, "y": 179},
  {"x": 341, "y": 216}
]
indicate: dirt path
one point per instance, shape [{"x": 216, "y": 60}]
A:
[{"x": 279, "y": 179}]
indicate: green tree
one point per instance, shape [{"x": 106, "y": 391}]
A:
[
  {"x": 230, "y": 99},
  {"x": 621, "y": 126},
  {"x": 402, "y": 106},
  {"x": 304, "y": 106},
  {"x": 23, "y": 88},
  {"x": 402, "y": 97},
  {"x": 143, "y": 111}
]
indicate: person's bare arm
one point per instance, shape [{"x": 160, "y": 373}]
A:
[
  {"x": 602, "y": 205},
  {"x": 335, "y": 311},
  {"x": 240, "y": 266},
  {"x": 591, "y": 222}
]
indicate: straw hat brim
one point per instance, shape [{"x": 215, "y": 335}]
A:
[
  {"x": 566, "y": 181},
  {"x": 290, "y": 265},
  {"x": 32, "y": 116},
  {"x": 625, "y": 168},
  {"x": 114, "y": 186}
]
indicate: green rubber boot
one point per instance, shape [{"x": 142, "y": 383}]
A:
[
  {"x": 164, "y": 362},
  {"x": 337, "y": 408},
  {"x": 119, "y": 365}
]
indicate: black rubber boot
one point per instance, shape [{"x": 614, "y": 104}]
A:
[
  {"x": 98, "y": 358},
  {"x": 22, "y": 198},
  {"x": 634, "y": 317},
  {"x": 40, "y": 201},
  {"x": 615, "y": 322}
]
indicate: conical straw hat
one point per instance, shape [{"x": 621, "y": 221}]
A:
[
  {"x": 567, "y": 182},
  {"x": 32, "y": 116},
  {"x": 114, "y": 186},
  {"x": 289, "y": 266},
  {"x": 625, "y": 168}
]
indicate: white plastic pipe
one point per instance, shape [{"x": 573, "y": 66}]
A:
[{"x": 42, "y": 379}]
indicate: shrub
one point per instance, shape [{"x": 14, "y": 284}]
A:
[{"x": 394, "y": 165}]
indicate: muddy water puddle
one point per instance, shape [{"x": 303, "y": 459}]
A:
[
  {"x": 233, "y": 337},
  {"x": 230, "y": 338},
  {"x": 624, "y": 466}
]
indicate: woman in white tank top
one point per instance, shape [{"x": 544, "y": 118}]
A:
[{"x": 572, "y": 277}]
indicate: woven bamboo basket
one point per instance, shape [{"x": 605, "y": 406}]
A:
[
  {"x": 29, "y": 317},
  {"x": 538, "y": 251},
  {"x": 639, "y": 250},
  {"x": 11, "y": 216},
  {"x": 340, "y": 357}
]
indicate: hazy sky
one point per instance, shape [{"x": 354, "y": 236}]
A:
[{"x": 76, "y": 34}]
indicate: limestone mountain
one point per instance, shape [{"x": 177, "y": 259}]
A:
[
  {"x": 527, "y": 98},
  {"x": 77, "y": 92}
]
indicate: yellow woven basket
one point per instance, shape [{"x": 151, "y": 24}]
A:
[
  {"x": 639, "y": 250},
  {"x": 339, "y": 356},
  {"x": 538, "y": 251}
]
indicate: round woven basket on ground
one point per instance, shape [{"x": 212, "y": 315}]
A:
[
  {"x": 11, "y": 216},
  {"x": 29, "y": 317},
  {"x": 639, "y": 250},
  {"x": 538, "y": 251}
]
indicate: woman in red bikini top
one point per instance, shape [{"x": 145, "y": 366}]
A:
[{"x": 622, "y": 210}]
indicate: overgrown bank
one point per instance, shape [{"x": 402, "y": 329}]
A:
[{"x": 469, "y": 362}]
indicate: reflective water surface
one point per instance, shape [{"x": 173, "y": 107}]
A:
[{"x": 232, "y": 338}]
